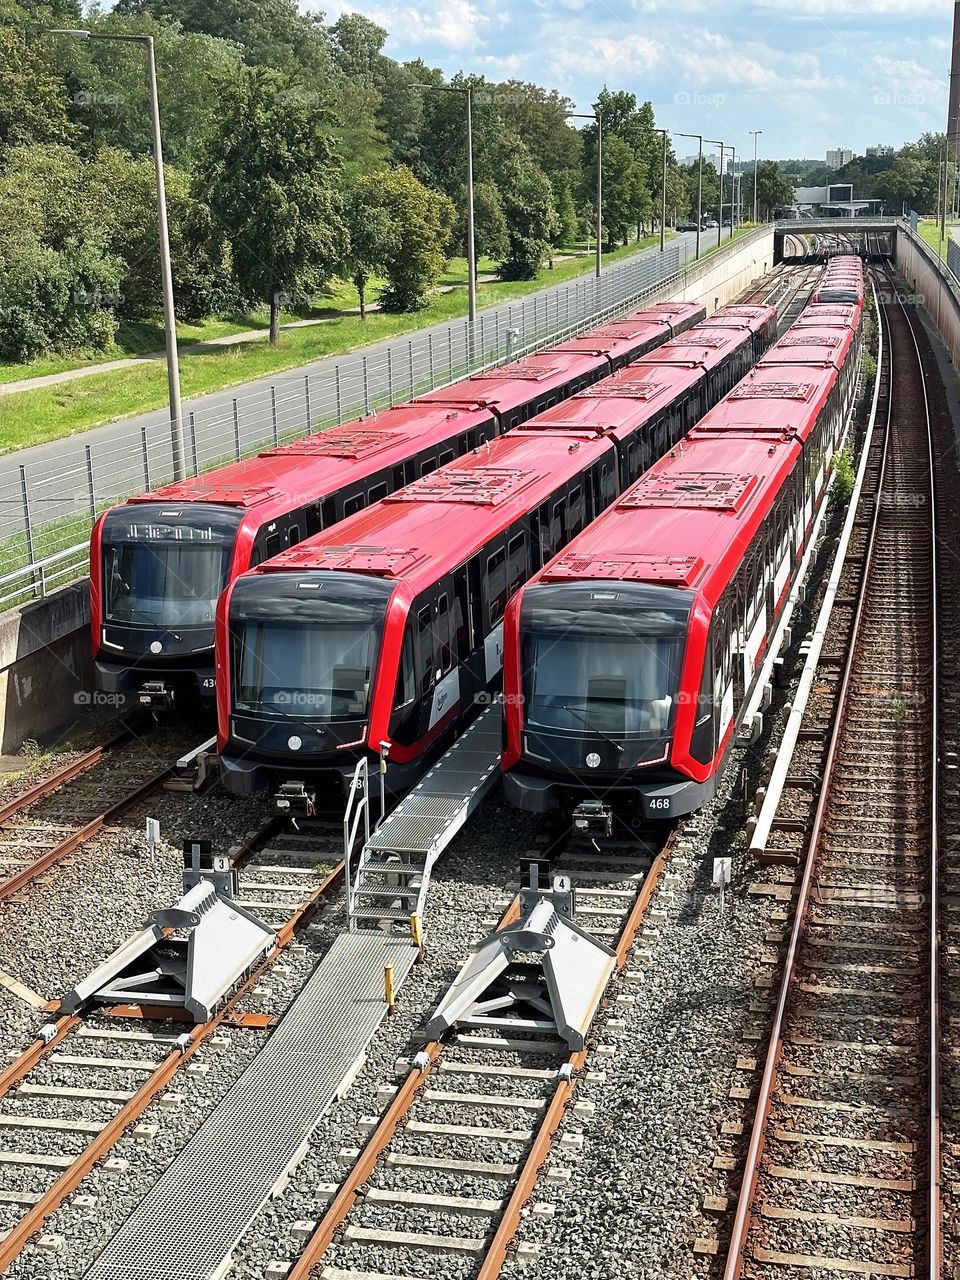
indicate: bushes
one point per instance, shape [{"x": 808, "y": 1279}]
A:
[{"x": 58, "y": 301}]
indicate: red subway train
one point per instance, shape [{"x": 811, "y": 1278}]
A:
[
  {"x": 842, "y": 281},
  {"x": 387, "y": 627},
  {"x": 159, "y": 562},
  {"x": 629, "y": 659}
]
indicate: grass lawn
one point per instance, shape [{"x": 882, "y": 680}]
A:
[
  {"x": 929, "y": 229},
  {"x": 49, "y": 413}
]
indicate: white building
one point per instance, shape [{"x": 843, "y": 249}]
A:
[
  {"x": 881, "y": 149},
  {"x": 838, "y": 158}
]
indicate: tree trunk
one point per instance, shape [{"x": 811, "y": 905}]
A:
[{"x": 275, "y": 318}]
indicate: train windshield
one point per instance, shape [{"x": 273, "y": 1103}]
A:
[
  {"x": 305, "y": 645},
  {"x": 166, "y": 566},
  {"x": 603, "y": 661}
]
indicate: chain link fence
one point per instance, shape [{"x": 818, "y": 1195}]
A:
[{"x": 48, "y": 506}]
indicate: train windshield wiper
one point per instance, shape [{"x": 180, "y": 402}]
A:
[
  {"x": 303, "y": 724},
  {"x": 593, "y": 728}
]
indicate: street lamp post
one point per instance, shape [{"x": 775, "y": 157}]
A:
[
  {"x": 166, "y": 270},
  {"x": 582, "y": 115},
  {"x": 733, "y": 193},
  {"x": 756, "y": 134},
  {"x": 715, "y": 142},
  {"x": 699, "y": 137},
  {"x": 663, "y": 192},
  {"x": 467, "y": 93}
]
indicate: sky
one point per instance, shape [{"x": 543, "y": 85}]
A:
[{"x": 812, "y": 74}]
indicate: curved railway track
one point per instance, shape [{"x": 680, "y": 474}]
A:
[{"x": 842, "y": 1172}]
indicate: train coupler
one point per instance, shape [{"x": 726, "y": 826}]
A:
[
  {"x": 593, "y": 818},
  {"x": 156, "y": 695},
  {"x": 293, "y": 800}
]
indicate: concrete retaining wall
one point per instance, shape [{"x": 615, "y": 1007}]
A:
[
  {"x": 934, "y": 285},
  {"x": 46, "y": 678},
  {"x": 45, "y": 664}
]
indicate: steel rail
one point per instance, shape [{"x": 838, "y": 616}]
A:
[
  {"x": 417, "y": 1077},
  {"x": 74, "y": 769},
  {"x": 76, "y": 838},
  {"x": 33, "y": 1221},
  {"x": 743, "y": 1218}
]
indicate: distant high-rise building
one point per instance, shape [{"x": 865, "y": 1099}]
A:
[
  {"x": 837, "y": 158},
  {"x": 881, "y": 149}
]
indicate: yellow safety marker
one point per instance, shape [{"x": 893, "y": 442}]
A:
[
  {"x": 389, "y": 991},
  {"x": 416, "y": 933}
]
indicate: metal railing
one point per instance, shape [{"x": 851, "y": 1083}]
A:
[{"x": 48, "y": 504}]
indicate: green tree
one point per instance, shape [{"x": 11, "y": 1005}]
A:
[
  {"x": 33, "y": 102},
  {"x": 271, "y": 33},
  {"x": 489, "y": 221},
  {"x": 271, "y": 178},
  {"x": 57, "y": 300},
  {"x": 773, "y": 190},
  {"x": 531, "y": 218},
  {"x": 372, "y": 232},
  {"x": 566, "y": 228},
  {"x": 422, "y": 221}
]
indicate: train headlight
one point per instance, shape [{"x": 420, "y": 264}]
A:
[
  {"x": 156, "y": 647},
  {"x": 295, "y": 743},
  {"x": 593, "y": 760}
]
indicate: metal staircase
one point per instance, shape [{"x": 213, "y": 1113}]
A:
[{"x": 388, "y": 881}]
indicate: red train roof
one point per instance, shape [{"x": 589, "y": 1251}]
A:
[
  {"x": 829, "y": 314},
  {"x": 683, "y": 524},
  {"x": 772, "y": 401},
  {"x": 433, "y": 525},
  {"x": 301, "y": 467},
  {"x": 813, "y": 344},
  {"x": 754, "y": 318},
  {"x": 509, "y": 385},
  {"x": 703, "y": 347}
]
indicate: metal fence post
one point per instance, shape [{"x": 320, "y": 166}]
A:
[
  {"x": 483, "y": 342},
  {"x": 390, "y": 374},
  {"x": 90, "y": 485},
  {"x": 430, "y": 356},
  {"x": 336, "y": 378},
  {"x": 306, "y": 398},
  {"x": 146, "y": 459},
  {"x": 275, "y": 421},
  {"x": 236, "y": 427},
  {"x": 366, "y": 388},
  {"x": 449, "y": 353},
  {"x": 27, "y": 522},
  {"x": 193, "y": 443},
  {"x": 410, "y": 354}
]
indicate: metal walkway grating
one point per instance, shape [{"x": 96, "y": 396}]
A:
[
  {"x": 438, "y": 806},
  {"x": 186, "y": 1227}
]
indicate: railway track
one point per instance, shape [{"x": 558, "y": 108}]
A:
[
  {"x": 842, "y": 1168},
  {"x": 69, "y": 1097},
  {"x": 454, "y": 1160},
  {"x": 44, "y": 825}
]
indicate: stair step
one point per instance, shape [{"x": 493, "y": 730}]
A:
[
  {"x": 374, "y": 891},
  {"x": 387, "y": 864},
  {"x": 381, "y": 913}
]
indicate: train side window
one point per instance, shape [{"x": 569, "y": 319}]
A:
[
  {"x": 406, "y": 680},
  {"x": 443, "y": 635},
  {"x": 425, "y": 648},
  {"x": 377, "y": 492},
  {"x": 352, "y": 505},
  {"x": 428, "y": 466},
  {"x": 447, "y": 456},
  {"x": 518, "y": 570},
  {"x": 475, "y": 593},
  {"x": 293, "y": 535},
  {"x": 496, "y": 583},
  {"x": 272, "y": 546}
]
